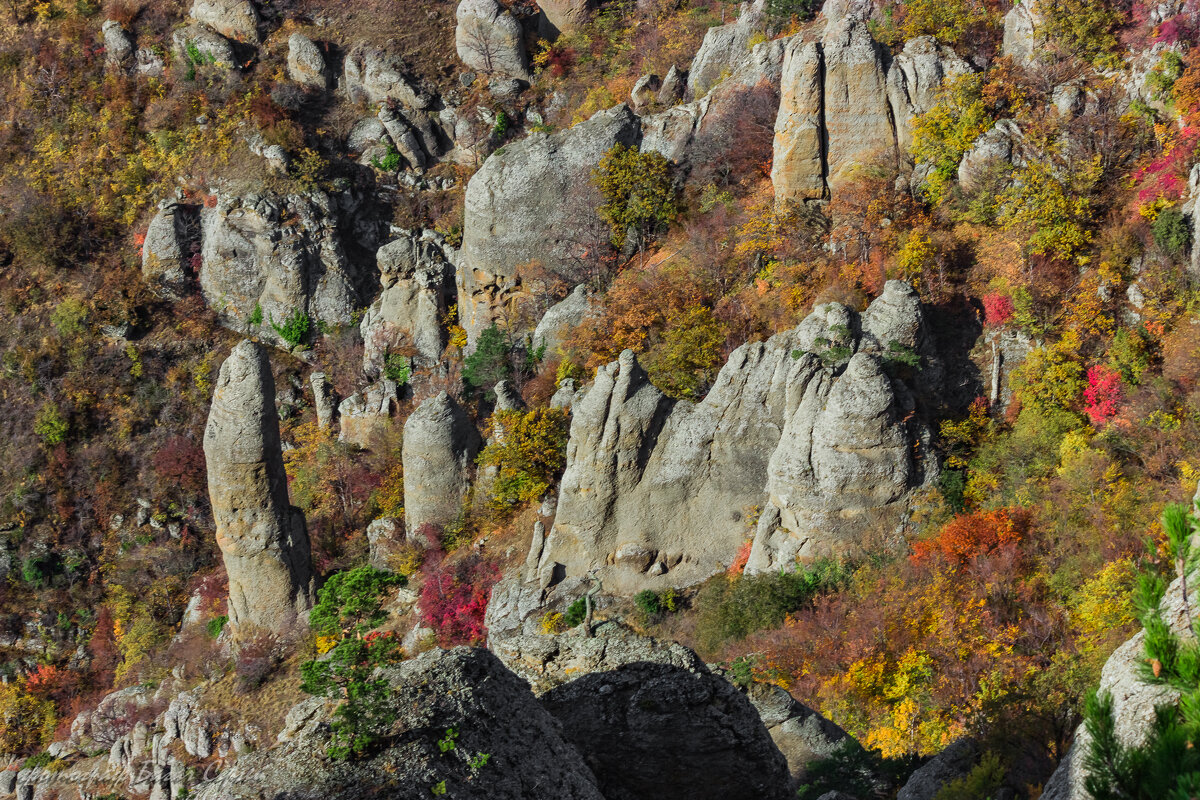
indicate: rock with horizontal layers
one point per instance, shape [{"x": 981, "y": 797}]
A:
[
  {"x": 167, "y": 250},
  {"x": 669, "y": 732},
  {"x": 807, "y": 426},
  {"x": 465, "y": 690},
  {"x": 440, "y": 445},
  {"x": 490, "y": 40},
  {"x": 263, "y": 538},
  {"x": 284, "y": 257},
  {"x": 533, "y": 201},
  {"x": 725, "y": 49},
  {"x": 233, "y": 19},
  {"x": 305, "y": 62},
  {"x": 417, "y": 278}
]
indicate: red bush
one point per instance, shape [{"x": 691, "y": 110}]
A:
[
  {"x": 970, "y": 535},
  {"x": 997, "y": 309},
  {"x": 1103, "y": 394},
  {"x": 454, "y": 599},
  {"x": 180, "y": 462}
]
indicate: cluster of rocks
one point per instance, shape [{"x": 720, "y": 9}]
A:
[{"x": 807, "y": 428}]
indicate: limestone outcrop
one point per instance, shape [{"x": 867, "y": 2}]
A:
[
  {"x": 845, "y": 102},
  {"x": 263, "y": 539},
  {"x": 801, "y": 734},
  {"x": 379, "y": 76},
  {"x": 200, "y": 40},
  {"x": 999, "y": 147},
  {"x": 416, "y": 275},
  {"x": 1023, "y": 40},
  {"x": 808, "y": 426},
  {"x": 566, "y": 15},
  {"x": 440, "y": 445},
  {"x": 489, "y": 39},
  {"x": 269, "y": 258},
  {"x": 533, "y": 200},
  {"x": 725, "y": 49},
  {"x": 562, "y": 318},
  {"x": 118, "y": 44}
]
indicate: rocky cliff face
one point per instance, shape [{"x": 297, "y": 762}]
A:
[
  {"x": 657, "y": 491},
  {"x": 533, "y": 201},
  {"x": 845, "y": 102},
  {"x": 263, "y": 539}
]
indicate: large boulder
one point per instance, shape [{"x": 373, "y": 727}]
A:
[
  {"x": 118, "y": 44},
  {"x": 667, "y": 732},
  {"x": 562, "y": 318},
  {"x": 269, "y": 258},
  {"x": 417, "y": 279},
  {"x": 489, "y": 39},
  {"x": 233, "y": 19},
  {"x": 954, "y": 762},
  {"x": 801, "y": 734},
  {"x": 467, "y": 691},
  {"x": 440, "y": 445},
  {"x": 263, "y": 539},
  {"x": 996, "y": 149},
  {"x": 375, "y": 75},
  {"x": 1024, "y": 36},
  {"x": 533, "y": 201},
  {"x": 199, "y": 44},
  {"x": 306, "y": 63}
]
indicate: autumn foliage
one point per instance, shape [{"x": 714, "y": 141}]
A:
[{"x": 971, "y": 535}]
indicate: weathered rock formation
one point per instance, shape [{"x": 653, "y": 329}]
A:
[
  {"x": 417, "y": 278},
  {"x": 118, "y": 45},
  {"x": 996, "y": 149},
  {"x": 283, "y": 257},
  {"x": 801, "y": 734},
  {"x": 233, "y": 19},
  {"x": 263, "y": 539},
  {"x": 377, "y": 76},
  {"x": 533, "y": 200},
  {"x": 489, "y": 39},
  {"x": 562, "y": 318},
  {"x": 725, "y": 49},
  {"x": 658, "y": 492},
  {"x": 845, "y": 102},
  {"x": 565, "y": 15},
  {"x": 470, "y": 691},
  {"x": 653, "y": 730},
  {"x": 1023, "y": 39},
  {"x": 198, "y": 40},
  {"x": 440, "y": 445},
  {"x": 305, "y": 62},
  {"x": 167, "y": 252}
]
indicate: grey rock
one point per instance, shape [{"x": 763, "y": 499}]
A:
[
  {"x": 280, "y": 255},
  {"x": 364, "y": 413},
  {"x": 109, "y": 721},
  {"x": 564, "y": 396},
  {"x": 440, "y": 445},
  {"x": 953, "y": 762},
  {"x": 645, "y": 92},
  {"x": 166, "y": 256},
  {"x": 263, "y": 539},
  {"x": 725, "y": 49},
  {"x": 1069, "y": 99},
  {"x": 118, "y": 44},
  {"x": 366, "y": 132},
  {"x": 798, "y": 166},
  {"x": 489, "y": 40},
  {"x": 674, "y": 86},
  {"x": 233, "y": 19},
  {"x": 150, "y": 63},
  {"x": 914, "y": 78},
  {"x": 305, "y": 62},
  {"x": 467, "y": 690},
  {"x": 801, "y": 734},
  {"x": 665, "y": 731},
  {"x": 565, "y": 15},
  {"x": 533, "y": 200},
  {"x": 1023, "y": 39},
  {"x": 858, "y": 116},
  {"x": 995, "y": 149},
  {"x": 324, "y": 400},
  {"x": 385, "y": 537},
  {"x": 561, "y": 319},
  {"x": 1190, "y": 208},
  {"x": 504, "y": 88},
  {"x": 417, "y": 278},
  {"x": 376, "y": 76},
  {"x": 211, "y": 46},
  {"x": 548, "y": 662}
]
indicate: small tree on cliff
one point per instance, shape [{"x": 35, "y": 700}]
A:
[{"x": 638, "y": 193}]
